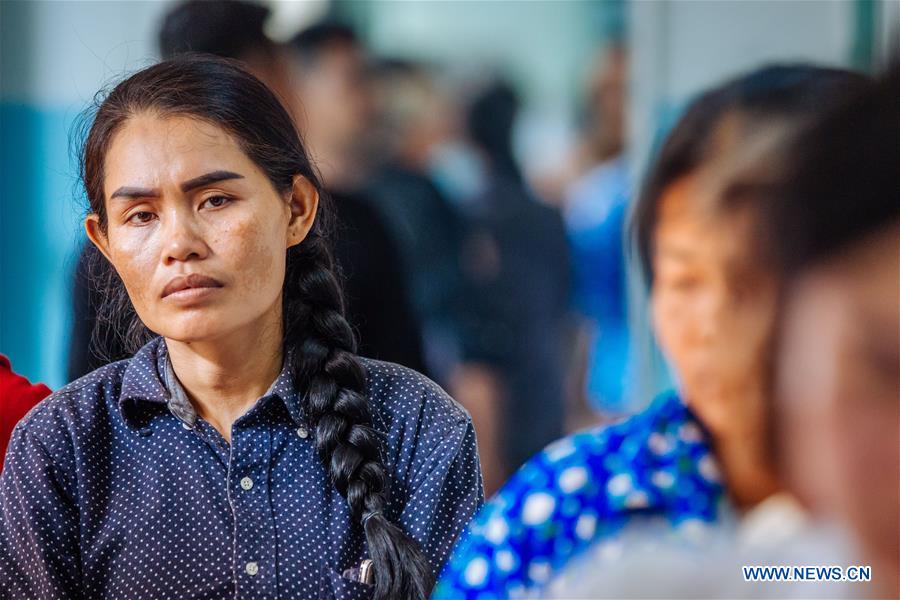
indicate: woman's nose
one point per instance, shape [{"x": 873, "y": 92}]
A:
[{"x": 183, "y": 240}]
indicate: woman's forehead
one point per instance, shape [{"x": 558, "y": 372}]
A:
[
  {"x": 166, "y": 137},
  {"x": 154, "y": 150}
]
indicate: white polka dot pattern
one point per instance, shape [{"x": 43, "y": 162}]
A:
[{"x": 112, "y": 490}]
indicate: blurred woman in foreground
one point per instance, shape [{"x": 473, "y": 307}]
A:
[{"x": 699, "y": 456}]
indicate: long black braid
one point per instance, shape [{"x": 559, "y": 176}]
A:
[
  {"x": 321, "y": 346},
  {"x": 319, "y": 343}
]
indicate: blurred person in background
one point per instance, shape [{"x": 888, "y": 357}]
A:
[
  {"x": 516, "y": 267},
  {"x": 232, "y": 29},
  {"x": 332, "y": 81},
  {"x": 836, "y": 236},
  {"x": 330, "y": 78},
  {"x": 413, "y": 120},
  {"x": 596, "y": 204},
  {"x": 377, "y": 290},
  {"x": 245, "y": 416},
  {"x": 697, "y": 458},
  {"x": 17, "y": 397}
]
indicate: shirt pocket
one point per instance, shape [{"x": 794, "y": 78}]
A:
[{"x": 336, "y": 587}]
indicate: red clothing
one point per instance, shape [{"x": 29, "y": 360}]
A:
[{"x": 17, "y": 397}]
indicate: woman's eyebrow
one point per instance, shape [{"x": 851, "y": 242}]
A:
[
  {"x": 208, "y": 178},
  {"x": 131, "y": 192}
]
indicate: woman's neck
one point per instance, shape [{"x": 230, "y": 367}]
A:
[{"x": 224, "y": 377}]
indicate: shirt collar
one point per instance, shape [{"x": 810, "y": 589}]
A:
[
  {"x": 141, "y": 384},
  {"x": 150, "y": 380}
]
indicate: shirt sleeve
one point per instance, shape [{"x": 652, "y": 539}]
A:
[
  {"x": 446, "y": 493},
  {"x": 39, "y": 550}
]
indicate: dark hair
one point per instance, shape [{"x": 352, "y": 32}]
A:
[
  {"x": 310, "y": 42},
  {"x": 228, "y": 28},
  {"x": 795, "y": 92},
  {"x": 319, "y": 344},
  {"x": 489, "y": 123},
  {"x": 843, "y": 183}
]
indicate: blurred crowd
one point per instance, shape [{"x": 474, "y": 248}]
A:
[{"x": 769, "y": 277}]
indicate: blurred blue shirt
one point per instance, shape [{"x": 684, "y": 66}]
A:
[
  {"x": 597, "y": 206},
  {"x": 585, "y": 489}
]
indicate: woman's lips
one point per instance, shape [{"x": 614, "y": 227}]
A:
[
  {"x": 190, "y": 295},
  {"x": 190, "y": 286}
]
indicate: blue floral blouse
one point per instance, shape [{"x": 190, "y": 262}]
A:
[{"x": 584, "y": 489}]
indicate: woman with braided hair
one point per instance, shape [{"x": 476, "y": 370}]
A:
[{"x": 245, "y": 450}]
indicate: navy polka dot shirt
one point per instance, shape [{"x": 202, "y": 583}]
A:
[{"x": 114, "y": 487}]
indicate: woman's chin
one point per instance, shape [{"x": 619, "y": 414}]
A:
[
  {"x": 211, "y": 326},
  {"x": 191, "y": 333}
]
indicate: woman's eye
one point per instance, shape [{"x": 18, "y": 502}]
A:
[
  {"x": 215, "y": 202},
  {"x": 141, "y": 217}
]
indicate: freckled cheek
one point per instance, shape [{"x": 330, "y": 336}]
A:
[{"x": 254, "y": 256}]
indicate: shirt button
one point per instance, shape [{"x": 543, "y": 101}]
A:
[
  {"x": 303, "y": 432},
  {"x": 247, "y": 483},
  {"x": 252, "y": 568}
]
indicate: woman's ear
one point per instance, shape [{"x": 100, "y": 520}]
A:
[
  {"x": 304, "y": 202},
  {"x": 96, "y": 234}
]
